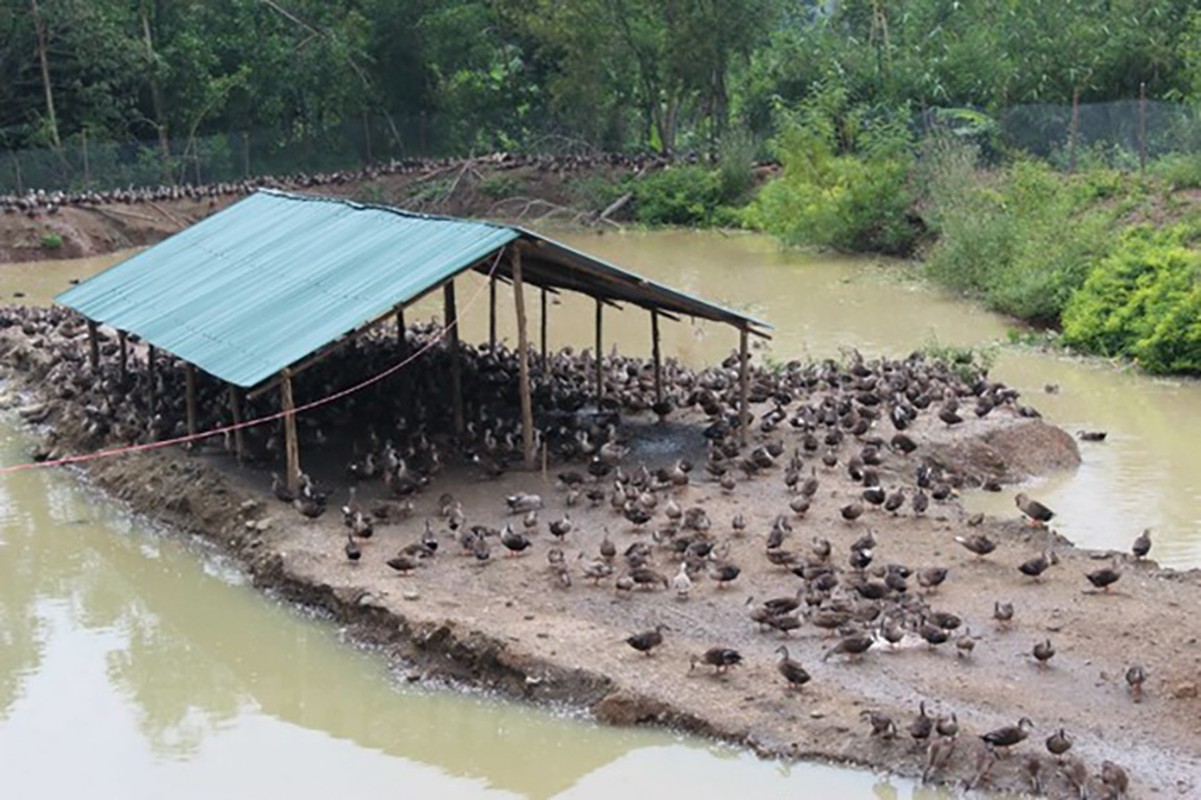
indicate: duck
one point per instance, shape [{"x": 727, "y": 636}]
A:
[
  {"x": 1059, "y": 743},
  {"x": 596, "y": 570},
  {"x": 516, "y": 543},
  {"x": 523, "y": 503},
  {"x": 1115, "y": 777},
  {"x": 977, "y": 543},
  {"x": 1136, "y": 676},
  {"x": 792, "y": 671},
  {"x": 1009, "y": 735},
  {"x": 931, "y": 578},
  {"x": 1002, "y": 613},
  {"x": 1105, "y": 577},
  {"x": 280, "y": 489},
  {"x": 724, "y": 574},
  {"x": 1036, "y": 566},
  {"x": 1043, "y": 652},
  {"x": 403, "y": 564},
  {"x": 853, "y": 646},
  {"x": 681, "y": 583},
  {"x": 646, "y": 641},
  {"x": 883, "y": 726},
  {"x": 852, "y": 511},
  {"x": 649, "y": 578},
  {"x": 1091, "y": 436},
  {"x": 308, "y": 505},
  {"x": 560, "y": 527},
  {"x": 608, "y": 550},
  {"x": 353, "y": 551},
  {"x": 1038, "y": 514},
  {"x": 965, "y": 644},
  {"x": 1142, "y": 545},
  {"x": 938, "y": 754},
  {"x": 947, "y": 727},
  {"x": 922, "y": 725},
  {"x": 720, "y": 658}
]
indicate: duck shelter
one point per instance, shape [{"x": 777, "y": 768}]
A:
[{"x": 272, "y": 284}]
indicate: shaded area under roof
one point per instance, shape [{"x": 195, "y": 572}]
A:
[{"x": 265, "y": 282}]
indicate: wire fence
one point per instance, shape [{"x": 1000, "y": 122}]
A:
[{"x": 1123, "y": 134}]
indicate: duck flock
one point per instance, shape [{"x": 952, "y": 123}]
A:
[
  {"x": 34, "y": 202},
  {"x": 855, "y": 426}
]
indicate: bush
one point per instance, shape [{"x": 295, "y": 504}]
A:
[
  {"x": 1143, "y": 301},
  {"x": 1024, "y": 241},
  {"x": 845, "y": 182},
  {"x": 688, "y": 195},
  {"x": 52, "y": 240},
  {"x": 1178, "y": 170}
]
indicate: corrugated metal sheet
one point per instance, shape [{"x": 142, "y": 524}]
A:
[
  {"x": 272, "y": 278},
  {"x": 269, "y": 280}
]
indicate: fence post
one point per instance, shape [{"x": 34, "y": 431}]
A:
[
  {"x": 1142, "y": 126},
  {"x": 245, "y": 154},
  {"x": 17, "y": 168},
  {"x": 1073, "y": 130}
]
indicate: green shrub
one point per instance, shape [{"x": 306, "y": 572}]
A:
[
  {"x": 1178, "y": 170},
  {"x": 688, "y": 195},
  {"x": 845, "y": 182},
  {"x": 1024, "y": 240},
  {"x": 1143, "y": 301},
  {"x": 52, "y": 240}
]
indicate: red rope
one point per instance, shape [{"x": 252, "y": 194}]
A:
[{"x": 136, "y": 448}]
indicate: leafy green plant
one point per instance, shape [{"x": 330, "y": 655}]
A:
[
  {"x": 968, "y": 363},
  {"x": 686, "y": 195},
  {"x": 1143, "y": 301},
  {"x": 52, "y": 240},
  {"x": 845, "y": 182},
  {"x": 1178, "y": 170}
]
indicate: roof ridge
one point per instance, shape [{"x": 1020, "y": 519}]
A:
[{"x": 361, "y": 205}]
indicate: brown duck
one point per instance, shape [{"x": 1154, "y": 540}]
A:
[{"x": 646, "y": 641}]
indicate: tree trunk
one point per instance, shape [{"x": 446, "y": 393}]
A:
[
  {"x": 156, "y": 97},
  {"x": 40, "y": 29}
]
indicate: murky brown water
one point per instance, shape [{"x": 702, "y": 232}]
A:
[
  {"x": 135, "y": 665},
  {"x": 141, "y": 661}
]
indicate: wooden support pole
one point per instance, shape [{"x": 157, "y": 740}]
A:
[
  {"x": 93, "y": 345},
  {"x": 655, "y": 356},
  {"x": 492, "y": 313},
  {"x": 523, "y": 363},
  {"x": 190, "y": 376},
  {"x": 400, "y": 331},
  {"x": 450, "y": 320},
  {"x": 151, "y": 370},
  {"x": 235, "y": 408},
  {"x": 600, "y": 387},
  {"x": 123, "y": 355},
  {"x": 744, "y": 388},
  {"x": 543, "y": 323},
  {"x": 291, "y": 445}
]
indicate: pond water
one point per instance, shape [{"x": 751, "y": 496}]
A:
[{"x": 142, "y": 663}]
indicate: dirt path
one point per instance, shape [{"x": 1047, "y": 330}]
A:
[{"x": 509, "y": 624}]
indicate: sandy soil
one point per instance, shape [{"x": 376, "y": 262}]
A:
[{"x": 508, "y": 623}]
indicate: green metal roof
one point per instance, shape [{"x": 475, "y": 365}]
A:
[{"x": 265, "y": 282}]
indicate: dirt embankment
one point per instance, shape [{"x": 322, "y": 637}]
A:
[
  {"x": 521, "y": 190},
  {"x": 510, "y": 625}
]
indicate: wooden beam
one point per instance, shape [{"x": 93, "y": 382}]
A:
[
  {"x": 123, "y": 356},
  {"x": 190, "y": 378},
  {"x": 600, "y": 385},
  {"x": 450, "y": 319},
  {"x": 291, "y": 444},
  {"x": 492, "y": 313},
  {"x": 235, "y": 407},
  {"x": 655, "y": 356},
  {"x": 543, "y": 324},
  {"x": 151, "y": 374},
  {"x": 523, "y": 362},
  {"x": 744, "y": 358},
  {"x": 93, "y": 345},
  {"x": 401, "y": 337}
]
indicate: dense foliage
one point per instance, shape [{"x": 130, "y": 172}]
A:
[
  {"x": 457, "y": 75},
  {"x": 1143, "y": 301}
]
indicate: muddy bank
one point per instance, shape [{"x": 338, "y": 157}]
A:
[
  {"x": 526, "y": 191},
  {"x": 512, "y": 626}
]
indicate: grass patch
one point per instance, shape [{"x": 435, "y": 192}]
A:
[{"x": 52, "y": 240}]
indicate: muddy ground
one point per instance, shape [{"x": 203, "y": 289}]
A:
[
  {"x": 473, "y": 188},
  {"x": 507, "y": 624}
]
